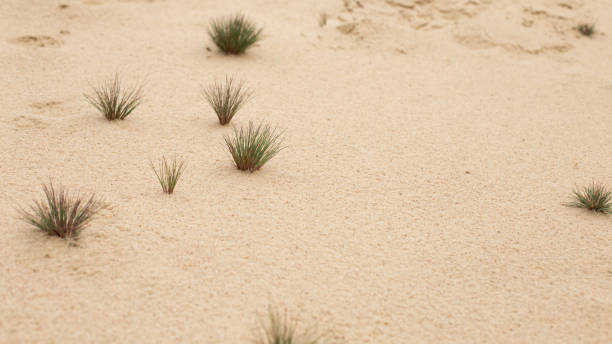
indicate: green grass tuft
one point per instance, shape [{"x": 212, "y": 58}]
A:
[
  {"x": 251, "y": 147},
  {"x": 226, "y": 99},
  {"x": 280, "y": 329},
  {"x": 61, "y": 213},
  {"x": 115, "y": 101},
  {"x": 168, "y": 173},
  {"x": 595, "y": 197},
  {"x": 234, "y": 34},
  {"x": 586, "y": 29}
]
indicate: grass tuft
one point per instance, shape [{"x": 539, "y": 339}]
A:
[
  {"x": 251, "y": 147},
  {"x": 586, "y": 29},
  {"x": 322, "y": 19},
  {"x": 115, "y": 101},
  {"x": 280, "y": 329},
  {"x": 226, "y": 99},
  {"x": 595, "y": 197},
  {"x": 61, "y": 213},
  {"x": 168, "y": 173},
  {"x": 234, "y": 34}
]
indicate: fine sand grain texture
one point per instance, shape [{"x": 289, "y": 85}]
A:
[{"x": 430, "y": 146}]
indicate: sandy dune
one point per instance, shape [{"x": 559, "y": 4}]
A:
[{"x": 431, "y": 144}]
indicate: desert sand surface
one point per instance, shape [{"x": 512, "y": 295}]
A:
[{"x": 430, "y": 146}]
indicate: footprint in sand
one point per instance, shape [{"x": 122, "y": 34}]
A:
[
  {"x": 521, "y": 26},
  {"x": 46, "y": 105},
  {"x": 35, "y": 121},
  {"x": 368, "y": 20},
  {"x": 530, "y": 28},
  {"x": 28, "y": 122},
  {"x": 435, "y": 14},
  {"x": 36, "y": 41}
]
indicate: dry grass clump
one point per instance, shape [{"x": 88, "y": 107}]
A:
[
  {"x": 226, "y": 99},
  {"x": 595, "y": 197},
  {"x": 586, "y": 29},
  {"x": 115, "y": 101},
  {"x": 61, "y": 213},
  {"x": 168, "y": 173},
  {"x": 251, "y": 147},
  {"x": 322, "y": 19},
  {"x": 280, "y": 329},
  {"x": 234, "y": 34}
]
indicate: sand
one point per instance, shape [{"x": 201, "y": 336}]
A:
[{"x": 430, "y": 146}]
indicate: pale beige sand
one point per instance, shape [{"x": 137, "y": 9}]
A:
[{"x": 431, "y": 144}]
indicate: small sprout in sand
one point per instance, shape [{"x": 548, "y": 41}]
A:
[
  {"x": 61, "y": 213},
  {"x": 322, "y": 19},
  {"x": 595, "y": 197},
  {"x": 234, "y": 34},
  {"x": 168, "y": 173},
  {"x": 115, "y": 101},
  {"x": 280, "y": 329},
  {"x": 251, "y": 147},
  {"x": 226, "y": 99},
  {"x": 586, "y": 29}
]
